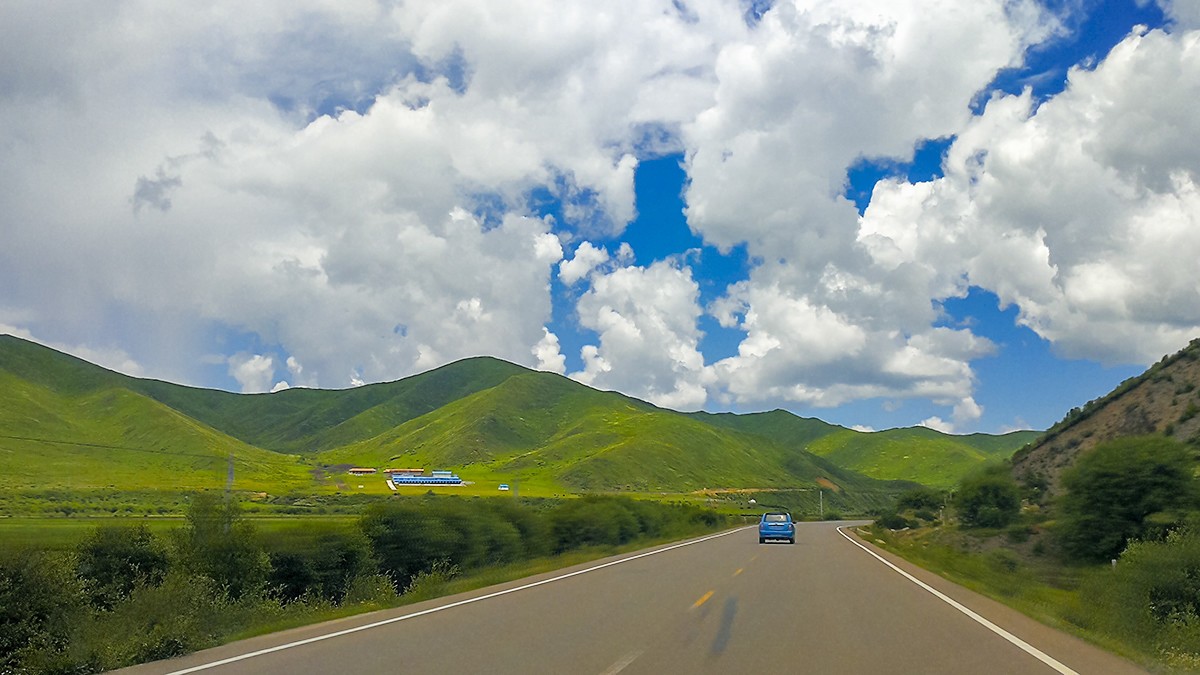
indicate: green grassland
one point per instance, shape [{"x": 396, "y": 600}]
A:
[
  {"x": 916, "y": 454},
  {"x": 113, "y": 437}
]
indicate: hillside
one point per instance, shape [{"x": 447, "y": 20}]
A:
[
  {"x": 487, "y": 418},
  {"x": 541, "y": 425},
  {"x": 1163, "y": 400},
  {"x": 113, "y": 437},
  {"x": 484, "y": 417},
  {"x": 915, "y": 454}
]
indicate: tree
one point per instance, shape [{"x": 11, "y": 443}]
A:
[
  {"x": 1116, "y": 492},
  {"x": 988, "y": 499},
  {"x": 114, "y": 559},
  {"x": 40, "y": 602},
  {"x": 220, "y": 544},
  {"x": 920, "y": 498}
]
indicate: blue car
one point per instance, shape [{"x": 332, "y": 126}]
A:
[{"x": 776, "y": 525}]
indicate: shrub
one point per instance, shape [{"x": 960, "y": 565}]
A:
[
  {"x": 1113, "y": 492},
  {"x": 988, "y": 499},
  {"x": 926, "y": 515},
  {"x": 920, "y": 498},
  {"x": 219, "y": 543},
  {"x": 41, "y": 603},
  {"x": 323, "y": 564},
  {"x": 893, "y": 521},
  {"x": 114, "y": 559},
  {"x": 1152, "y": 598}
]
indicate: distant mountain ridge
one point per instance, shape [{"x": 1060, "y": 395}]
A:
[{"x": 492, "y": 417}]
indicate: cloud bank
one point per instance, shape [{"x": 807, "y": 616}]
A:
[{"x": 312, "y": 194}]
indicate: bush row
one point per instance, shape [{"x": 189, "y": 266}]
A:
[{"x": 125, "y": 595}]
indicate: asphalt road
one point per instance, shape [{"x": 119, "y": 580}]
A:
[{"x": 718, "y": 605}]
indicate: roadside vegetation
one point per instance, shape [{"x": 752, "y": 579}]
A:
[
  {"x": 1114, "y": 558},
  {"x": 129, "y": 593}
]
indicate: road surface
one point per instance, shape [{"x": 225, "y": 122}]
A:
[{"x": 724, "y": 604}]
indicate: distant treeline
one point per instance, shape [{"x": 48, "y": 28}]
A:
[{"x": 125, "y": 595}]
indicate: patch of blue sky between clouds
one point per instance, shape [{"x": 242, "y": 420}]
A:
[
  {"x": 1024, "y": 384},
  {"x": 1091, "y": 29},
  {"x": 661, "y": 232},
  {"x": 753, "y": 10},
  {"x": 925, "y": 164}
]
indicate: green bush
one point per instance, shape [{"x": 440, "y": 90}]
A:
[
  {"x": 894, "y": 521},
  {"x": 42, "y": 603},
  {"x": 114, "y": 559},
  {"x": 1119, "y": 491},
  {"x": 920, "y": 498},
  {"x": 324, "y": 564},
  {"x": 1152, "y": 598},
  {"x": 220, "y": 544},
  {"x": 988, "y": 499}
]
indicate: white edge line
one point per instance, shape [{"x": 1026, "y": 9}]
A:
[
  {"x": 377, "y": 624},
  {"x": 1023, "y": 645}
]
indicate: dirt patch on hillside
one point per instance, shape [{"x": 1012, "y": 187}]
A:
[{"x": 1163, "y": 400}]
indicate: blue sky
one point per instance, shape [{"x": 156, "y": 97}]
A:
[{"x": 969, "y": 216}]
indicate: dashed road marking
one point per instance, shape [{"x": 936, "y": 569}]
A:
[
  {"x": 623, "y": 663},
  {"x": 440, "y": 608}
]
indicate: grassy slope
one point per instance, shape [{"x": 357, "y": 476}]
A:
[
  {"x": 115, "y": 437},
  {"x": 917, "y": 454},
  {"x": 496, "y": 418},
  {"x": 292, "y": 421},
  {"x": 778, "y": 425},
  {"x": 312, "y": 420},
  {"x": 543, "y": 427}
]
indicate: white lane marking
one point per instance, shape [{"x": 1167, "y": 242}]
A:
[
  {"x": 622, "y": 664},
  {"x": 377, "y": 624},
  {"x": 1023, "y": 645}
]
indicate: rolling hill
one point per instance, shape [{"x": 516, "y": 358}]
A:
[
  {"x": 544, "y": 424},
  {"x": 65, "y": 421},
  {"x": 113, "y": 437},
  {"x": 916, "y": 454}
]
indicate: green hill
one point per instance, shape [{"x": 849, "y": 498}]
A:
[
  {"x": 917, "y": 454},
  {"x": 312, "y": 420},
  {"x": 778, "y": 425},
  {"x": 112, "y": 437},
  {"x": 292, "y": 421},
  {"x": 544, "y": 427},
  {"x": 489, "y": 419}
]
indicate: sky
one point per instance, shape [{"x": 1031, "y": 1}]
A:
[{"x": 972, "y": 216}]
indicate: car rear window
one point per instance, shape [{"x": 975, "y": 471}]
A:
[{"x": 776, "y": 518}]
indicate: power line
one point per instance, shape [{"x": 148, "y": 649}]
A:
[{"x": 161, "y": 451}]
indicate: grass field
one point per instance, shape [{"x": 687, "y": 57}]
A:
[{"x": 64, "y": 533}]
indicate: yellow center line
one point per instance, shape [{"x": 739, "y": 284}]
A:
[
  {"x": 739, "y": 571},
  {"x": 703, "y": 599}
]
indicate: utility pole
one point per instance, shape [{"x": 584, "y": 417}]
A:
[
  {"x": 228, "y": 492},
  {"x": 821, "y": 498}
]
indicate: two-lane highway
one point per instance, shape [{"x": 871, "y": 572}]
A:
[{"x": 722, "y": 604}]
